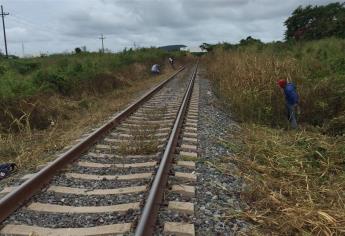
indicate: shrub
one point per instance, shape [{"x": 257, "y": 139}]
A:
[
  {"x": 52, "y": 80},
  {"x": 62, "y": 64},
  {"x": 24, "y": 67},
  {"x": 16, "y": 88},
  {"x": 2, "y": 70},
  {"x": 77, "y": 50}
]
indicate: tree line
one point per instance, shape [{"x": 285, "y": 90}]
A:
[{"x": 305, "y": 23}]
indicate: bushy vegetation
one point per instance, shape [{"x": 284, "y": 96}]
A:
[
  {"x": 48, "y": 108},
  {"x": 68, "y": 74},
  {"x": 26, "y": 84},
  {"x": 47, "y": 123}
]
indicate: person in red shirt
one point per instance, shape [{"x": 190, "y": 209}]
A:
[{"x": 291, "y": 99}]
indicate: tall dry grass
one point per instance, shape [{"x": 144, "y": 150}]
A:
[
  {"x": 247, "y": 82},
  {"x": 245, "y": 79}
]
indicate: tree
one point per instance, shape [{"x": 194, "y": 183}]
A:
[
  {"x": 316, "y": 22},
  {"x": 77, "y": 50},
  {"x": 206, "y": 47},
  {"x": 249, "y": 40}
]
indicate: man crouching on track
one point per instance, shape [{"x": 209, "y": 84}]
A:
[{"x": 155, "y": 69}]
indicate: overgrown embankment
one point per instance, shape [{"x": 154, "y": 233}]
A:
[
  {"x": 295, "y": 179},
  {"x": 28, "y": 86},
  {"x": 45, "y": 103}
]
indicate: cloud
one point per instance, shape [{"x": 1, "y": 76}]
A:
[{"x": 60, "y": 25}]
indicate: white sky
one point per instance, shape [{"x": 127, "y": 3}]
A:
[{"x": 61, "y": 25}]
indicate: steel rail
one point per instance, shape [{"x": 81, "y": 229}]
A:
[
  {"x": 13, "y": 200},
  {"x": 147, "y": 221}
]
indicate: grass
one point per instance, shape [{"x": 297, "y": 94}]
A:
[
  {"x": 25, "y": 84},
  {"x": 70, "y": 74},
  {"x": 187, "y": 158},
  {"x": 295, "y": 180},
  {"x": 144, "y": 141},
  {"x": 31, "y": 147}
]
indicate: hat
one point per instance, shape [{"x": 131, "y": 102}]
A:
[{"x": 282, "y": 83}]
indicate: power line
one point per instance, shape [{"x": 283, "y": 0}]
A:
[
  {"x": 3, "y": 14},
  {"x": 43, "y": 28},
  {"x": 102, "y": 38}
]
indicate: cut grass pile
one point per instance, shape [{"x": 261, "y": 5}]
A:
[{"x": 296, "y": 181}]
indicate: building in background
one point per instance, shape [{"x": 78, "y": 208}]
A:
[{"x": 171, "y": 48}]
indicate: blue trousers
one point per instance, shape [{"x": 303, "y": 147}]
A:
[{"x": 291, "y": 112}]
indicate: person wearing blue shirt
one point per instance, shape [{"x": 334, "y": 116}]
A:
[{"x": 291, "y": 99}]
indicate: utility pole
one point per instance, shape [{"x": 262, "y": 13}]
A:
[
  {"x": 3, "y": 14},
  {"x": 102, "y": 38},
  {"x": 23, "y": 52}
]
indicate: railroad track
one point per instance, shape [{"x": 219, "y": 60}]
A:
[{"x": 133, "y": 175}]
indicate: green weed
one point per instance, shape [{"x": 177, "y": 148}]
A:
[{"x": 70, "y": 77}]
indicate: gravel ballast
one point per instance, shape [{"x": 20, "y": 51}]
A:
[
  {"x": 216, "y": 192},
  {"x": 52, "y": 220}
]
